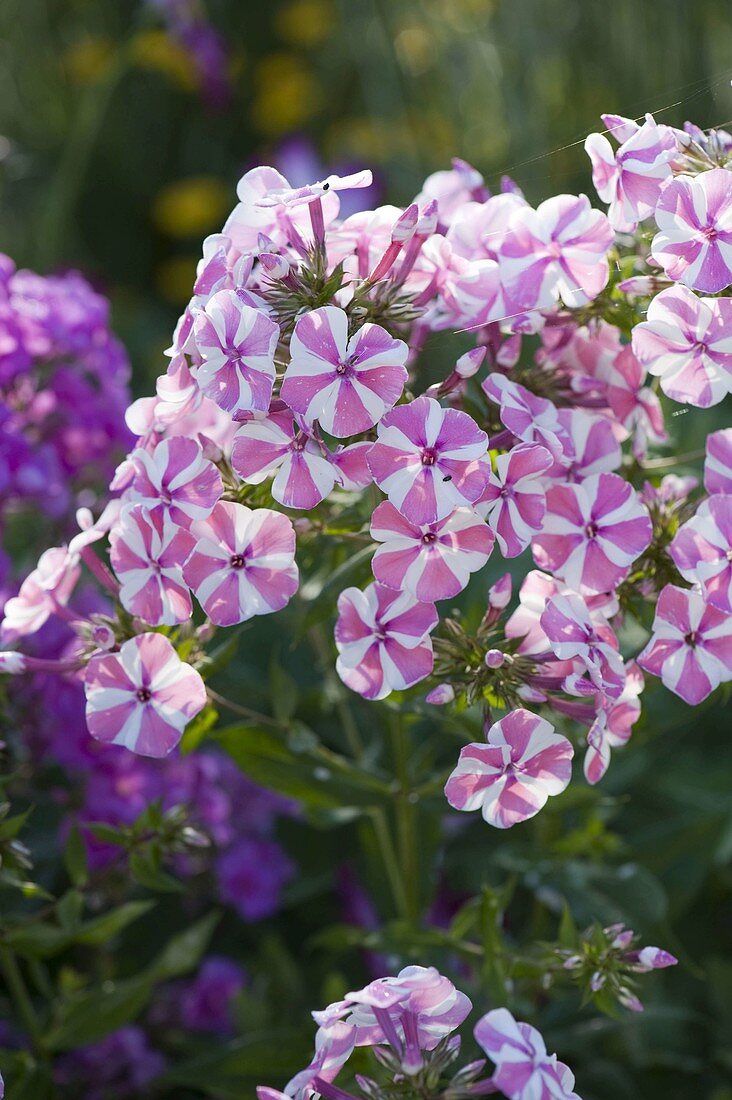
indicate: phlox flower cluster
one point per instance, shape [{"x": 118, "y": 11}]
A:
[
  {"x": 410, "y": 1023},
  {"x": 295, "y": 384},
  {"x": 63, "y": 392}
]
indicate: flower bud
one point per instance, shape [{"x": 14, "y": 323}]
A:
[
  {"x": 443, "y": 693},
  {"x": 495, "y": 658},
  {"x": 469, "y": 364},
  {"x": 11, "y": 662}
]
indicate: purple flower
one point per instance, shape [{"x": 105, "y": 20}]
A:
[
  {"x": 251, "y": 875},
  {"x": 121, "y": 1066},
  {"x": 206, "y": 1003}
]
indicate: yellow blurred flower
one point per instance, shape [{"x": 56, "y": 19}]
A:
[
  {"x": 287, "y": 94},
  {"x": 305, "y": 22},
  {"x": 88, "y": 59},
  {"x": 157, "y": 51},
  {"x": 191, "y": 206},
  {"x": 175, "y": 277}
]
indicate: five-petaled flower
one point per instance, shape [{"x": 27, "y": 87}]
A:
[
  {"x": 429, "y": 460},
  {"x": 432, "y": 561},
  {"x": 592, "y": 532},
  {"x": 347, "y": 385},
  {"x": 148, "y": 552},
  {"x": 510, "y": 778},
  {"x": 694, "y": 242},
  {"x": 524, "y": 1070},
  {"x": 691, "y": 645},
  {"x": 143, "y": 696},
  {"x": 237, "y": 344},
  {"x": 687, "y": 342},
  {"x": 176, "y": 477},
  {"x": 243, "y": 563},
  {"x": 383, "y": 641},
  {"x": 513, "y": 501}
]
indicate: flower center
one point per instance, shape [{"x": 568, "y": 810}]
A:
[
  {"x": 591, "y": 530},
  {"x": 429, "y": 456},
  {"x": 236, "y": 561},
  {"x": 429, "y": 537},
  {"x": 144, "y": 695},
  {"x": 691, "y": 638},
  {"x": 710, "y": 232},
  {"x": 700, "y": 347}
]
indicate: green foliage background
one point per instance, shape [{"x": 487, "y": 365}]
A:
[{"x": 109, "y": 161}]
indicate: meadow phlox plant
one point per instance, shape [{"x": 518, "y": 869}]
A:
[{"x": 300, "y": 404}]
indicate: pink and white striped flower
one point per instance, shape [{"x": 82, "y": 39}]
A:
[
  {"x": 383, "y": 641},
  {"x": 613, "y": 725},
  {"x": 532, "y": 419},
  {"x": 687, "y": 342},
  {"x": 148, "y": 551},
  {"x": 303, "y": 475},
  {"x": 49, "y": 586},
  {"x": 633, "y": 404},
  {"x": 175, "y": 477},
  {"x": 536, "y": 589},
  {"x": 593, "y": 532},
  {"x": 574, "y": 636},
  {"x": 595, "y": 448},
  {"x": 345, "y": 384},
  {"x": 630, "y": 179},
  {"x": 412, "y": 1011},
  {"x": 524, "y": 1070},
  {"x": 691, "y": 645},
  {"x": 718, "y": 462},
  {"x": 432, "y": 561},
  {"x": 333, "y": 1047},
  {"x": 510, "y": 778},
  {"x": 429, "y": 460},
  {"x": 237, "y": 344},
  {"x": 694, "y": 242},
  {"x": 143, "y": 696},
  {"x": 514, "y": 501},
  {"x": 702, "y": 550},
  {"x": 557, "y": 251},
  {"x": 243, "y": 563}
]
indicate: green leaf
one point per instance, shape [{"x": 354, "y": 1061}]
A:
[
  {"x": 315, "y": 777},
  {"x": 183, "y": 952},
  {"x": 146, "y": 869},
  {"x": 90, "y": 1014},
  {"x": 69, "y": 910},
  {"x": 97, "y": 932},
  {"x": 75, "y": 858},
  {"x": 87, "y": 1016},
  {"x": 198, "y": 729},
  {"x": 11, "y": 826}
]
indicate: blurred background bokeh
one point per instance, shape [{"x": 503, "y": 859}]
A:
[{"x": 124, "y": 125}]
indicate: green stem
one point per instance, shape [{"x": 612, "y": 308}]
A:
[
  {"x": 335, "y": 688},
  {"x": 390, "y": 861},
  {"x": 21, "y": 998},
  {"x": 406, "y": 820}
]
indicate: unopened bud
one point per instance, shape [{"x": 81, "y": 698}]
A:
[
  {"x": 406, "y": 224},
  {"x": 440, "y": 695},
  {"x": 11, "y": 662},
  {"x": 427, "y": 222},
  {"x": 210, "y": 448},
  {"x": 103, "y": 636},
  {"x": 470, "y": 363},
  {"x": 274, "y": 266},
  {"x": 495, "y": 658}
]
